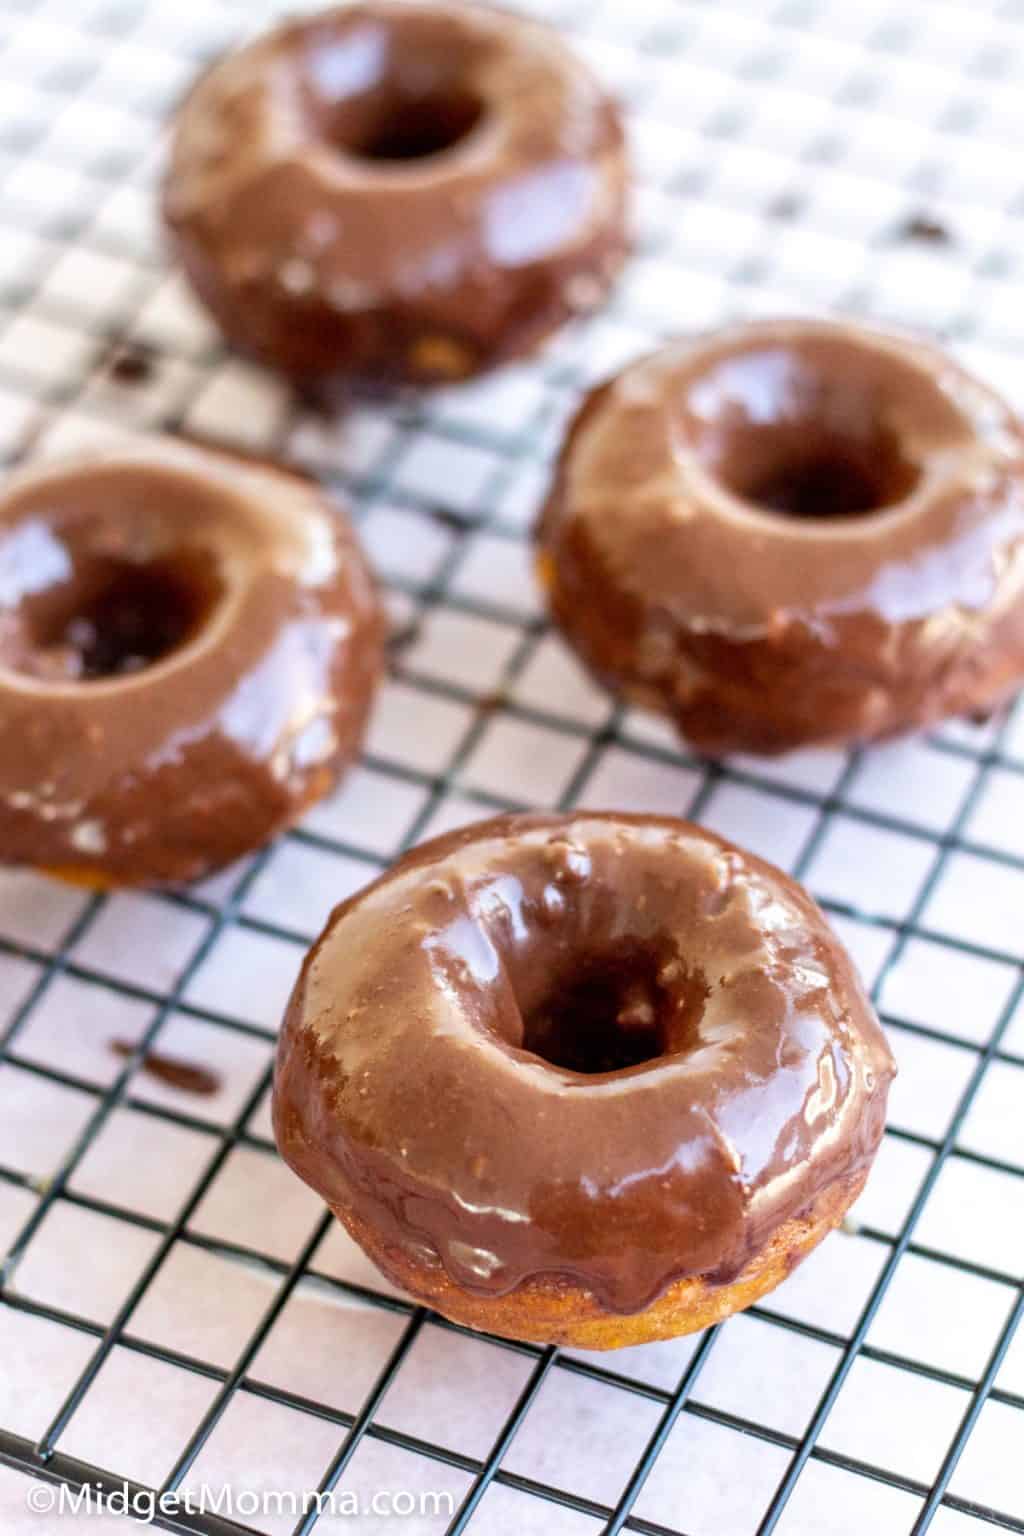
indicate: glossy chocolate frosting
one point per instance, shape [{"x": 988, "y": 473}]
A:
[
  {"x": 609, "y": 1048},
  {"x": 793, "y": 533},
  {"x": 417, "y": 190},
  {"x": 188, "y": 649}
]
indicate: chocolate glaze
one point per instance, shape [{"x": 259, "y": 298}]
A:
[
  {"x": 188, "y": 649},
  {"x": 325, "y": 242},
  {"x": 792, "y": 533},
  {"x": 734, "y": 1066}
]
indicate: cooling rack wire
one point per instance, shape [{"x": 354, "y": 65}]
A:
[{"x": 177, "y": 1310}]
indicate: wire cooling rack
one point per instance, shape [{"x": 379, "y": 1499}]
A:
[{"x": 176, "y": 1309}]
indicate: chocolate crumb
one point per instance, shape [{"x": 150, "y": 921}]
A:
[
  {"x": 131, "y": 364},
  {"x": 186, "y": 1076},
  {"x": 928, "y": 230}
]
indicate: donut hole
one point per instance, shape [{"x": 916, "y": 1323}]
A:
[
  {"x": 399, "y": 89},
  {"x": 133, "y": 615},
  {"x": 809, "y": 435},
  {"x": 833, "y": 477},
  {"x": 614, "y": 1010},
  {"x": 418, "y": 127},
  {"x": 106, "y": 616}
]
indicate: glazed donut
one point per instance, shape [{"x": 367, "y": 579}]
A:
[
  {"x": 387, "y": 188},
  {"x": 792, "y": 533},
  {"x": 188, "y": 648},
  {"x": 591, "y": 1080}
]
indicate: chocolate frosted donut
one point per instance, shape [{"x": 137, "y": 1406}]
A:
[
  {"x": 388, "y": 188},
  {"x": 793, "y": 533},
  {"x": 188, "y": 648},
  {"x": 592, "y": 1080}
]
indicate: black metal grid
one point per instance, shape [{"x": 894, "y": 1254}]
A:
[{"x": 742, "y": 58}]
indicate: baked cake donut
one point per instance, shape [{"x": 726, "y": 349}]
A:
[
  {"x": 395, "y": 189},
  {"x": 793, "y": 533},
  {"x": 591, "y": 1080},
  {"x": 188, "y": 649}
]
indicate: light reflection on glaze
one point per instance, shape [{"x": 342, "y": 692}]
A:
[
  {"x": 32, "y": 558},
  {"x": 760, "y": 389},
  {"x": 528, "y": 218},
  {"x": 403, "y": 1096},
  {"x": 351, "y": 65}
]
